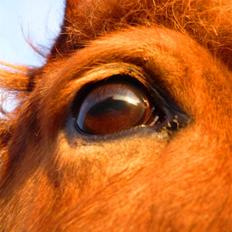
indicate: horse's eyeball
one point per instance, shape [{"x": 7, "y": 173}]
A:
[{"x": 112, "y": 106}]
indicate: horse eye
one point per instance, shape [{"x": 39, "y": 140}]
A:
[{"x": 113, "y": 106}]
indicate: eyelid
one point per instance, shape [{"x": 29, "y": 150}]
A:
[
  {"x": 101, "y": 73},
  {"x": 69, "y": 90},
  {"x": 151, "y": 83},
  {"x": 127, "y": 72},
  {"x": 118, "y": 68}
]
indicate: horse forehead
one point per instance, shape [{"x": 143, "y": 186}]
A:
[{"x": 209, "y": 24}]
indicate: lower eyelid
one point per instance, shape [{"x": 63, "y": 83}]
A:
[{"x": 73, "y": 136}]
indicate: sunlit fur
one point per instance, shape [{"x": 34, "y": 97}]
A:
[{"x": 51, "y": 179}]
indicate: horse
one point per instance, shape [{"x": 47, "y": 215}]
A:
[{"x": 127, "y": 127}]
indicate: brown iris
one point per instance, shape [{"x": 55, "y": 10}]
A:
[{"x": 112, "y": 107}]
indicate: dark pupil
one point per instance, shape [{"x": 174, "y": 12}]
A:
[{"x": 112, "y": 107}]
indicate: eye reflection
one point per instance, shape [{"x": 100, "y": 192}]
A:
[
  {"x": 121, "y": 103},
  {"x": 113, "y": 107}
]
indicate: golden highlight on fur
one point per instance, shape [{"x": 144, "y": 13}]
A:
[{"x": 52, "y": 179}]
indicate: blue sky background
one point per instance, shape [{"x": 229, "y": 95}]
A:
[
  {"x": 28, "y": 21},
  {"x": 25, "y": 22}
]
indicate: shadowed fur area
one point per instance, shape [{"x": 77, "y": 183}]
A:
[{"x": 54, "y": 179}]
